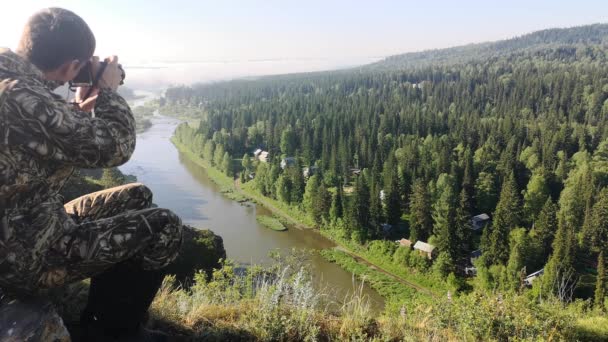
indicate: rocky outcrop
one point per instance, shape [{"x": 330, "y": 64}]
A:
[
  {"x": 36, "y": 319},
  {"x": 201, "y": 250},
  {"x": 30, "y": 320}
]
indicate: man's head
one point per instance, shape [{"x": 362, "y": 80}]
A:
[{"x": 58, "y": 42}]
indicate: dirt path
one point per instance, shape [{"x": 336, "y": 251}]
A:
[
  {"x": 403, "y": 281},
  {"x": 269, "y": 206}
]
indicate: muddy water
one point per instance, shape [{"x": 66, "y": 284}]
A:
[{"x": 183, "y": 186}]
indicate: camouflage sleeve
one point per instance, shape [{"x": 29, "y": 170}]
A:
[{"x": 46, "y": 125}]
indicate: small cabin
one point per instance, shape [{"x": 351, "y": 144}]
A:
[
  {"x": 479, "y": 222},
  {"x": 263, "y": 157},
  {"x": 425, "y": 249},
  {"x": 309, "y": 171},
  {"x": 288, "y": 162},
  {"x": 404, "y": 243},
  {"x": 382, "y": 195},
  {"x": 386, "y": 228},
  {"x": 532, "y": 276},
  {"x": 355, "y": 172},
  {"x": 256, "y": 153},
  {"x": 475, "y": 254}
]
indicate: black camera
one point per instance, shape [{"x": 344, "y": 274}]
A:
[{"x": 85, "y": 77}]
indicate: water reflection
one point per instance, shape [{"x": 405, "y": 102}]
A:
[{"x": 182, "y": 186}]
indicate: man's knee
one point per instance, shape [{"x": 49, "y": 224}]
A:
[
  {"x": 139, "y": 191},
  {"x": 166, "y": 246}
]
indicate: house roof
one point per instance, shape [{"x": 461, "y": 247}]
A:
[
  {"x": 257, "y": 151},
  {"x": 423, "y": 246},
  {"x": 481, "y": 217},
  {"x": 536, "y": 274},
  {"x": 404, "y": 242}
]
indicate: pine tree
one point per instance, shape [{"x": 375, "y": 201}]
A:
[
  {"x": 506, "y": 217},
  {"x": 444, "y": 229},
  {"x": 463, "y": 228},
  {"x": 246, "y": 163},
  {"x": 359, "y": 215},
  {"x": 321, "y": 205},
  {"x": 468, "y": 180},
  {"x": 297, "y": 181},
  {"x": 485, "y": 192},
  {"x": 283, "y": 189},
  {"x": 421, "y": 221},
  {"x": 310, "y": 194},
  {"x": 535, "y": 196},
  {"x": 393, "y": 202},
  {"x": 544, "y": 229},
  {"x": 227, "y": 165},
  {"x": 560, "y": 274},
  {"x": 376, "y": 217},
  {"x": 337, "y": 204},
  {"x": 596, "y": 233},
  {"x": 600, "y": 282}
]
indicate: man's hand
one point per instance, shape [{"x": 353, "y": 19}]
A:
[
  {"x": 112, "y": 75},
  {"x": 88, "y": 104}
]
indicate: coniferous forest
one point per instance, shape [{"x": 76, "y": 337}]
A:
[{"x": 416, "y": 145}]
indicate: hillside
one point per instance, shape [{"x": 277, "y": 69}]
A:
[
  {"x": 414, "y": 147},
  {"x": 562, "y": 40}
]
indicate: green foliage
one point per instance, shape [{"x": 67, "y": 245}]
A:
[
  {"x": 505, "y": 219},
  {"x": 420, "y": 212},
  {"x": 111, "y": 177},
  {"x": 596, "y": 231},
  {"x": 600, "y": 284},
  {"x": 271, "y": 222},
  {"x": 535, "y": 196},
  {"x": 201, "y": 251},
  {"x": 544, "y": 230}
]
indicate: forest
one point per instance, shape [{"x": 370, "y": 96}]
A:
[{"x": 417, "y": 145}]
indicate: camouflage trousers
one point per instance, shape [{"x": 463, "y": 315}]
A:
[{"x": 112, "y": 226}]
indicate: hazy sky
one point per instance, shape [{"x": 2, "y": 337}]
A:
[{"x": 328, "y": 32}]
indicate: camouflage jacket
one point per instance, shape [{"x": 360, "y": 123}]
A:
[{"x": 42, "y": 139}]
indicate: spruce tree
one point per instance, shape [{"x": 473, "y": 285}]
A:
[
  {"x": 337, "y": 204},
  {"x": 393, "y": 202},
  {"x": 544, "y": 229},
  {"x": 600, "y": 282},
  {"x": 227, "y": 165},
  {"x": 421, "y": 221},
  {"x": 310, "y": 194},
  {"x": 444, "y": 217},
  {"x": 596, "y": 233},
  {"x": 359, "y": 215},
  {"x": 322, "y": 202},
  {"x": 297, "y": 181},
  {"x": 505, "y": 218},
  {"x": 376, "y": 217},
  {"x": 560, "y": 274},
  {"x": 463, "y": 227}
]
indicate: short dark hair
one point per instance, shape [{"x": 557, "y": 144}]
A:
[{"x": 54, "y": 36}]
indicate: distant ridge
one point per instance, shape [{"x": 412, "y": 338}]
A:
[{"x": 580, "y": 36}]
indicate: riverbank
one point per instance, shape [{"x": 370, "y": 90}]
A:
[
  {"x": 226, "y": 184},
  {"x": 372, "y": 267}
]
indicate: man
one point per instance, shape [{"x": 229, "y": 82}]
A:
[{"x": 112, "y": 236}]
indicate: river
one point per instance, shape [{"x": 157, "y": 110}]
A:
[{"x": 184, "y": 187}]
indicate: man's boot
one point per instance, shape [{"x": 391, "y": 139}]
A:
[{"x": 119, "y": 300}]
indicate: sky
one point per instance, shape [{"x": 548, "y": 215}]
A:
[{"x": 193, "y": 40}]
